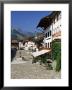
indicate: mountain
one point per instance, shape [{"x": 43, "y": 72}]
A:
[
  {"x": 20, "y": 35},
  {"x": 15, "y": 34},
  {"x": 29, "y": 34}
]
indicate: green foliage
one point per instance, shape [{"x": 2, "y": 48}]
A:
[
  {"x": 58, "y": 66},
  {"x": 49, "y": 67},
  {"x": 35, "y": 60},
  {"x": 43, "y": 60},
  {"x": 56, "y": 53},
  {"x": 56, "y": 48}
]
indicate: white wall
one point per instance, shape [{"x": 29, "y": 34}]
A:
[
  {"x": 56, "y": 25},
  {"x": 30, "y": 44},
  {"x": 48, "y": 39},
  {"x": 20, "y": 45},
  {"x": 55, "y": 28}
]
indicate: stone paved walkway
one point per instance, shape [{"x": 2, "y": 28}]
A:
[{"x": 24, "y": 69}]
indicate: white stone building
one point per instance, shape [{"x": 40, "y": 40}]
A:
[
  {"x": 30, "y": 45},
  {"x": 56, "y": 31},
  {"x": 52, "y": 28},
  {"x": 48, "y": 37}
]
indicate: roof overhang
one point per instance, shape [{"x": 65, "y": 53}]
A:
[{"x": 46, "y": 21}]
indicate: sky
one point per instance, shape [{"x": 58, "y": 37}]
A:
[{"x": 27, "y": 21}]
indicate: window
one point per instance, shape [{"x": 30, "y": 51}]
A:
[
  {"x": 48, "y": 45},
  {"x": 50, "y": 33},
  {"x": 46, "y": 34}
]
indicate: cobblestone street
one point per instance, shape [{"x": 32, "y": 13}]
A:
[{"x": 24, "y": 69}]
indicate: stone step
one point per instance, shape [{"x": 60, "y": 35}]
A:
[{"x": 24, "y": 55}]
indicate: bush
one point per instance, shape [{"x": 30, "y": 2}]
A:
[
  {"x": 56, "y": 53},
  {"x": 56, "y": 48},
  {"x": 58, "y": 65},
  {"x": 43, "y": 60}
]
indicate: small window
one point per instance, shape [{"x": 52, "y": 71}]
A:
[
  {"x": 50, "y": 33},
  {"x": 46, "y": 34},
  {"x": 48, "y": 45}
]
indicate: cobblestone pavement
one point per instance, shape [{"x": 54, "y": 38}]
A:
[{"x": 24, "y": 69}]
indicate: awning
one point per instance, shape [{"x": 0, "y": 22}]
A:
[{"x": 38, "y": 53}]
